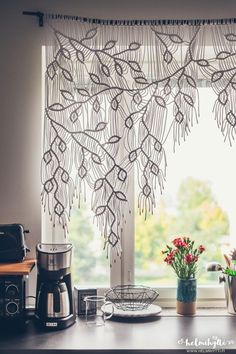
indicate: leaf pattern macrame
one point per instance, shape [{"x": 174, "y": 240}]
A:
[{"x": 113, "y": 97}]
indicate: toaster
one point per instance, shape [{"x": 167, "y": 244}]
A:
[{"x": 12, "y": 243}]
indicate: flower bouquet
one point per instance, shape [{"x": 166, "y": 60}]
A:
[{"x": 183, "y": 257}]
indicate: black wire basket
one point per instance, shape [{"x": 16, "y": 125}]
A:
[{"x": 131, "y": 297}]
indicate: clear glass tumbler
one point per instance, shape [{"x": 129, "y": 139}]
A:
[{"x": 98, "y": 310}]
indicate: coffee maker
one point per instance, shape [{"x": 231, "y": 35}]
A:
[{"x": 54, "y": 297}]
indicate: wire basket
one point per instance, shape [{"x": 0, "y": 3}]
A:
[{"x": 131, "y": 297}]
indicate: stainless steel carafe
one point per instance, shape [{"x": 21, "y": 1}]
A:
[{"x": 53, "y": 300}]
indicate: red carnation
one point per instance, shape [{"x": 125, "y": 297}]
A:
[
  {"x": 190, "y": 258},
  {"x": 183, "y": 257},
  {"x": 178, "y": 242},
  {"x": 170, "y": 258},
  {"x": 201, "y": 248}
]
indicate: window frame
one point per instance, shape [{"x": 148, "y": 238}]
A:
[{"x": 122, "y": 270}]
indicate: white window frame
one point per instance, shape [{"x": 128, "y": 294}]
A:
[{"x": 123, "y": 270}]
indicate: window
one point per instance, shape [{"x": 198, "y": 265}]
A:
[
  {"x": 199, "y": 168},
  {"x": 197, "y": 201},
  {"x": 90, "y": 266}
]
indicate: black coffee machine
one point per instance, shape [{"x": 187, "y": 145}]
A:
[{"x": 54, "y": 297}]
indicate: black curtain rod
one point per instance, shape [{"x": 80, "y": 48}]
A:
[
  {"x": 173, "y": 22},
  {"x": 38, "y": 14}
]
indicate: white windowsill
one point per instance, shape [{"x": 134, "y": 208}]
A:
[{"x": 200, "y": 311}]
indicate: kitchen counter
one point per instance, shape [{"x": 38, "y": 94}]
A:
[{"x": 162, "y": 334}]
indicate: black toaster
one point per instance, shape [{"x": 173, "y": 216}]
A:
[{"x": 12, "y": 243}]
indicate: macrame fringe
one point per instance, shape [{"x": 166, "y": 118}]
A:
[{"x": 142, "y": 22}]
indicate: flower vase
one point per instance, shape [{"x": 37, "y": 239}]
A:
[{"x": 186, "y": 296}]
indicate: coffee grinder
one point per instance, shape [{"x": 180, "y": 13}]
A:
[{"x": 54, "y": 297}]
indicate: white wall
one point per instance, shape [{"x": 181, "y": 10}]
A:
[{"x": 20, "y": 88}]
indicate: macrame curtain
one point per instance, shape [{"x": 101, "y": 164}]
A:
[{"x": 114, "y": 94}]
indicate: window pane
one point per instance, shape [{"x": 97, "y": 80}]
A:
[
  {"x": 197, "y": 202},
  {"x": 90, "y": 265}
]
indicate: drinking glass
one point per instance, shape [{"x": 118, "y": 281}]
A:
[{"x": 98, "y": 310}]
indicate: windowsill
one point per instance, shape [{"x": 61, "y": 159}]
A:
[{"x": 201, "y": 311}]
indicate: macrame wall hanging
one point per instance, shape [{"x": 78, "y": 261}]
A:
[{"x": 114, "y": 92}]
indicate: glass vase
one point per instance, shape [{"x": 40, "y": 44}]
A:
[{"x": 186, "y": 296}]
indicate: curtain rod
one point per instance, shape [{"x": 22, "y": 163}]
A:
[
  {"x": 192, "y": 22},
  {"x": 38, "y": 14}
]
